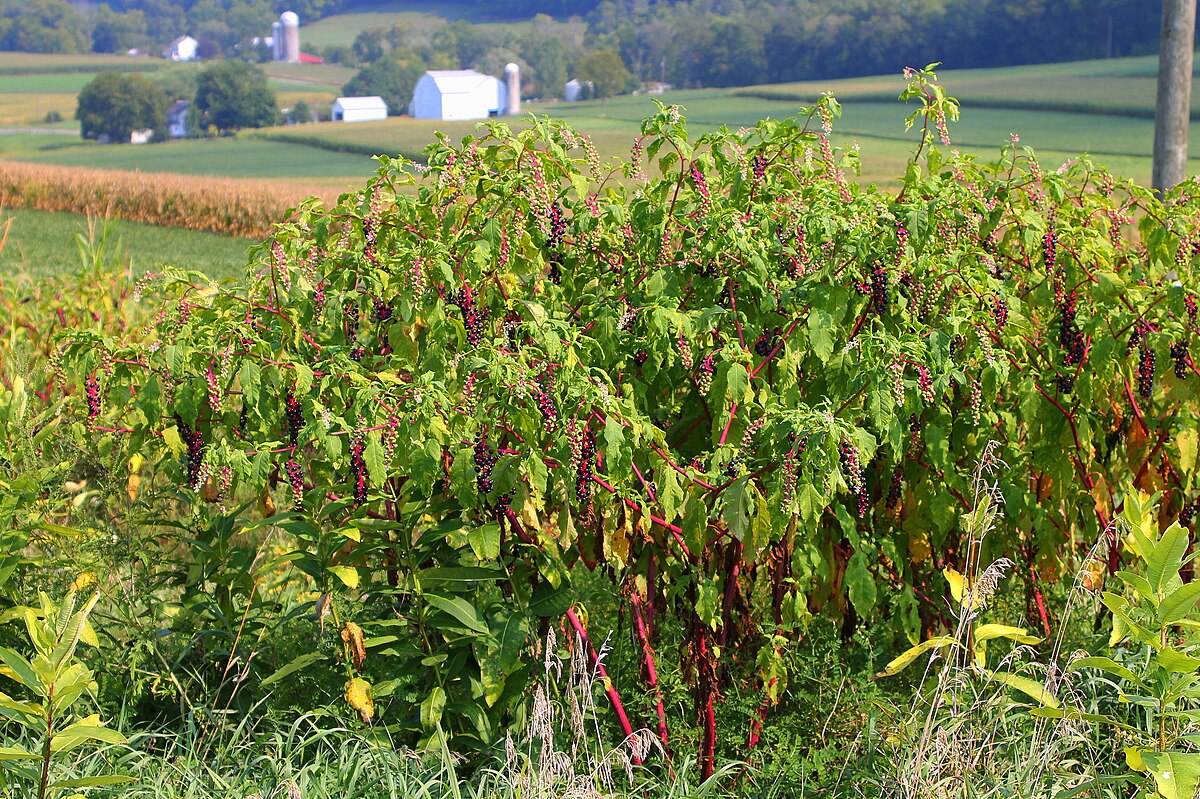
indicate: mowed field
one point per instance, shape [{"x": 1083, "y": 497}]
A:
[{"x": 38, "y": 243}]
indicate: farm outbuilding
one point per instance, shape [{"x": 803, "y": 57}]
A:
[
  {"x": 457, "y": 94},
  {"x": 359, "y": 109},
  {"x": 182, "y": 49}
]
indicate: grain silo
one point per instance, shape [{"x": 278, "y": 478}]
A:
[
  {"x": 512, "y": 90},
  {"x": 276, "y": 41},
  {"x": 291, "y": 36}
]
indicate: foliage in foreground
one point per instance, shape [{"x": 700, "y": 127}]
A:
[{"x": 751, "y": 389}]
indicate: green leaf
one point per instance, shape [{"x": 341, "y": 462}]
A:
[
  {"x": 1109, "y": 665},
  {"x": 460, "y": 609},
  {"x": 485, "y": 541},
  {"x": 1176, "y": 774},
  {"x": 433, "y": 707},
  {"x": 375, "y": 459},
  {"x": 16, "y": 753},
  {"x": 1166, "y": 558},
  {"x": 1179, "y": 603},
  {"x": 94, "y": 782},
  {"x": 860, "y": 584},
  {"x": 1175, "y": 661},
  {"x": 82, "y": 731},
  {"x": 820, "y": 333},
  {"x": 19, "y": 669},
  {"x": 899, "y": 664},
  {"x": 301, "y": 662}
]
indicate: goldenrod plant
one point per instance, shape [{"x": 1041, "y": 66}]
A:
[{"x": 50, "y": 726}]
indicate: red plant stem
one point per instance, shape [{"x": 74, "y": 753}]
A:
[
  {"x": 639, "y": 626},
  {"x": 760, "y": 717},
  {"x": 609, "y": 688},
  {"x": 731, "y": 586},
  {"x": 1040, "y": 600},
  {"x": 1136, "y": 410},
  {"x": 775, "y": 350},
  {"x": 674, "y": 529},
  {"x": 708, "y": 719},
  {"x": 728, "y": 424}
]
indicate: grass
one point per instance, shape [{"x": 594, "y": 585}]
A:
[
  {"x": 225, "y": 157},
  {"x": 21, "y": 109},
  {"x": 41, "y": 243},
  {"x": 31, "y": 63}
]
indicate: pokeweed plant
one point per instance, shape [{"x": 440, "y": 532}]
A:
[
  {"x": 752, "y": 388},
  {"x": 57, "y": 681},
  {"x": 1156, "y": 613}
]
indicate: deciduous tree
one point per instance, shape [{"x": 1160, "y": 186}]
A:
[{"x": 115, "y": 104}]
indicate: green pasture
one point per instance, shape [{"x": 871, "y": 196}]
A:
[
  {"x": 225, "y": 157},
  {"x": 1119, "y": 86},
  {"x": 33, "y": 63},
  {"x": 41, "y": 243}
]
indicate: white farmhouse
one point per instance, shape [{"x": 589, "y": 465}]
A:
[
  {"x": 457, "y": 94},
  {"x": 182, "y": 49},
  {"x": 359, "y": 109}
]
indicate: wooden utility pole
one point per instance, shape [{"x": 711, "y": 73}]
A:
[{"x": 1173, "y": 108}]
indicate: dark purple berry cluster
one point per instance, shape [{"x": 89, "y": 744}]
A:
[
  {"x": 512, "y": 329},
  {"x": 295, "y": 417},
  {"x": 879, "y": 289},
  {"x": 1188, "y": 511},
  {"x": 1066, "y": 383},
  {"x": 357, "y": 354},
  {"x": 194, "y": 440},
  {"x": 485, "y": 461},
  {"x": 92, "y": 391},
  {"x": 382, "y": 311},
  {"x": 1136, "y": 336},
  {"x": 358, "y": 469},
  {"x": 1050, "y": 248},
  {"x": 640, "y": 357},
  {"x": 1145, "y": 371},
  {"x": 584, "y": 474},
  {"x": 895, "y": 489},
  {"x": 555, "y": 273},
  {"x": 558, "y": 226},
  {"x": 295, "y": 476},
  {"x": 1000, "y": 313},
  {"x": 1179, "y": 352},
  {"x": 852, "y": 468},
  {"x": 767, "y": 341},
  {"x": 1069, "y": 335},
  {"x": 1189, "y": 303},
  {"x": 473, "y": 318},
  {"x": 733, "y": 467},
  {"x": 759, "y": 166}
]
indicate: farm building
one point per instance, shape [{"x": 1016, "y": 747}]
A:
[
  {"x": 359, "y": 109},
  {"x": 177, "y": 119},
  {"x": 182, "y": 49},
  {"x": 457, "y": 94}
]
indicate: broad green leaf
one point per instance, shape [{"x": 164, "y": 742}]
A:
[
  {"x": 20, "y": 669},
  {"x": 82, "y": 731},
  {"x": 986, "y": 632},
  {"x": 485, "y": 541},
  {"x": 16, "y": 753},
  {"x": 301, "y": 662},
  {"x": 1176, "y": 774},
  {"x": 433, "y": 707},
  {"x": 1175, "y": 661},
  {"x": 1166, "y": 558},
  {"x": 1109, "y": 665},
  {"x": 1179, "y": 603},
  {"x": 860, "y": 584},
  {"x": 460, "y": 609},
  {"x": 902, "y": 662}
]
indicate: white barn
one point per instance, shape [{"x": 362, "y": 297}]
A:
[
  {"x": 457, "y": 94},
  {"x": 359, "y": 109},
  {"x": 182, "y": 49}
]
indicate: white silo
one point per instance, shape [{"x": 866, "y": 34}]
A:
[
  {"x": 276, "y": 41},
  {"x": 291, "y": 36},
  {"x": 512, "y": 89}
]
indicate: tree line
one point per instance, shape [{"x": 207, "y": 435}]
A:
[{"x": 689, "y": 43}]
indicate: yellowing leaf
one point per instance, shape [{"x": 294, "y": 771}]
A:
[
  {"x": 900, "y": 663},
  {"x": 957, "y": 583},
  {"x": 358, "y": 696},
  {"x": 1187, "y": 442}
]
